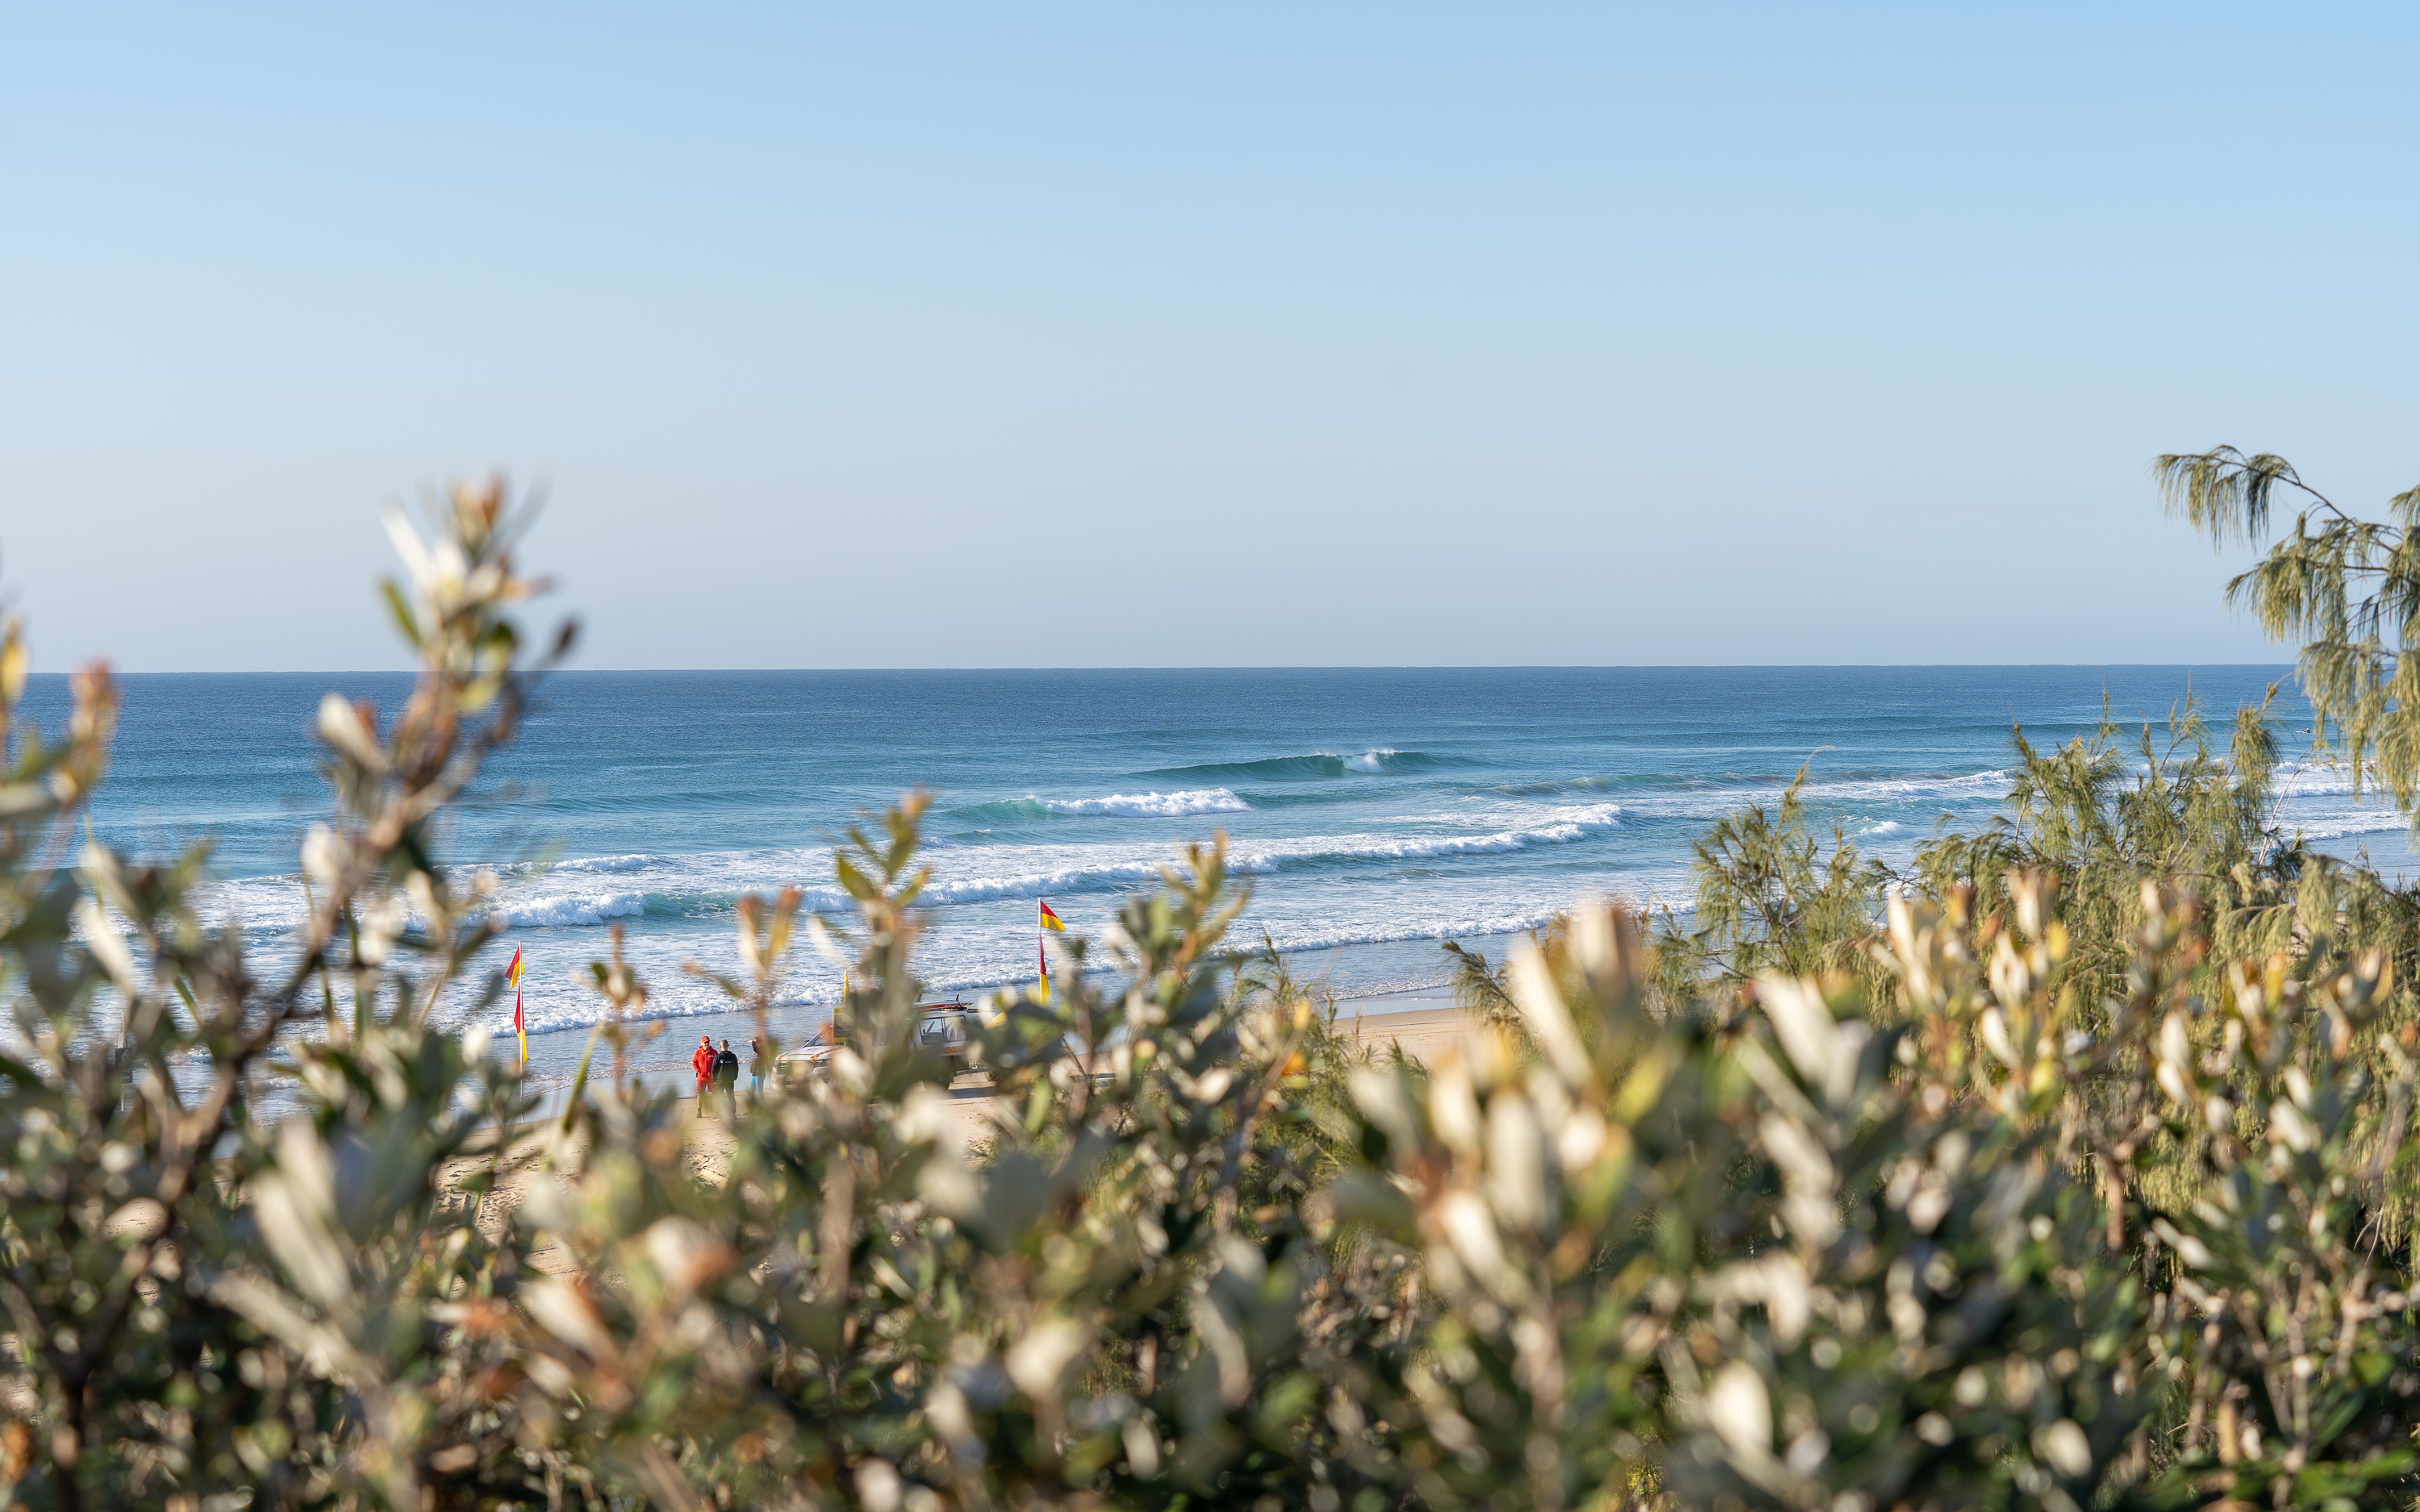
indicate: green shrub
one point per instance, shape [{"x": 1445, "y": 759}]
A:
[{"x": 2073, "y": 1167}]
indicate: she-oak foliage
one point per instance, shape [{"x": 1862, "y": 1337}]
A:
[{"x": 2071, "y": 1167}]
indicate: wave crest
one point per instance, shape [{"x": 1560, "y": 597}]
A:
[
  {"x": 1152, "y": 805},
  {"x": 607, "y": 863},
  {"x": 1378, "y": 760},
  {"x": 570, "y": 911}
]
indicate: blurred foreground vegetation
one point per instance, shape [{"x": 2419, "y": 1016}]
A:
[{"x": 2072, "y": 1168}]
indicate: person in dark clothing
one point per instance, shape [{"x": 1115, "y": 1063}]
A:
[{"x": 726, "y": 1077}]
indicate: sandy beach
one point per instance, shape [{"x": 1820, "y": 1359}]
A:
[{"x": 1421, "y": 1032}]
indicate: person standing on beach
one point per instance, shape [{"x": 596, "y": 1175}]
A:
[
  {"x": 759, "y": 1056},
  {"x": 702, "y": 1061},
  {"x": 726, "y": 1077}
]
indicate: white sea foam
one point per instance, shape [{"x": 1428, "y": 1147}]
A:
[
  {"x": 1092, "y": 877},
  {"x": 2313, "y": 780},
  {"x": 1972, "y": 785},
  {"x": 1096, "y": 868},
  {"x": 609, "y": 863},
  {"x": 1446, "y": 927},
  {"x": 568, "y": 895},
  {"x": 1712, "y": 798},
  {"x": 2312, "y": 802},
  {"x": 1152, "y": 805},
  {"x": 991, "y": 947},
  {"x": 2339, "y": 825},
  {"x": 1524, "y": 816},
  {"x": 1418, "y": 847},
  {"x": 687, "y": 900},
  {"x": 1466, "y": 831},
  {"x": 1450, "y": 926},
  {"x": 982, "y": 874},
  {"x": 573, "y": 910}
]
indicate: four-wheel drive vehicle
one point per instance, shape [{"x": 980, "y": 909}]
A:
[
  {"x": 948, "y": 1027},
  {"x": 945, "y": 1028}
]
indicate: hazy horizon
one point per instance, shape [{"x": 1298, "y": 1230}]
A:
[
  {"x": 1088, "y": 336},
  {"x": 2282, "y": 667}
]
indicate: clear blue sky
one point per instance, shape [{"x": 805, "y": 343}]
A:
[{"x": 1130, "y": 334}]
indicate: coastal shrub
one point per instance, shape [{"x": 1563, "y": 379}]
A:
[
  {"x": 2071, "y": 1167},
  {"x": 205, "y": 1308}
]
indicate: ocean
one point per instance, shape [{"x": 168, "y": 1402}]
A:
[{"x": 1373, "y": 813}]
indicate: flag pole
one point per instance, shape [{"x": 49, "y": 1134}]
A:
[
  {"x": 1045, "y": 921},
  {"x": 520, "y": 1032}
]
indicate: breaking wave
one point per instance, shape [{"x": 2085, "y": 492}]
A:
[
  {"x": 2313, "y": 780},
  {"x": 1314, "y": 765},
  {"x": 572, "y": 912},
  {"x": 2341, "y": 825},
  {"x": 1004, "y": 810},
  {"x": 708, "y": 885},
  {"x": 1153, "y": 805},
  {"x": 608, "y": 863}
]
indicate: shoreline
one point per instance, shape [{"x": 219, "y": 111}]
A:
[
  {"x": 1420, "y": 1033},
  {"x": 1368, "y": 982}
]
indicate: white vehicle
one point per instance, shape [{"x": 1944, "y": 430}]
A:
[{"x": 946, "y": 1027}]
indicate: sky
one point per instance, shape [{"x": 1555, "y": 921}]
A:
[{"x": 1249, "y": 334}]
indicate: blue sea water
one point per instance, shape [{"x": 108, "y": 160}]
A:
[{"x": 1373, "y": 811}]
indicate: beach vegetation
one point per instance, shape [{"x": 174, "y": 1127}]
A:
[{"x": 2069, "y": 1166}]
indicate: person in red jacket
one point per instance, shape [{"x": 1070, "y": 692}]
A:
[{"x": 702, "y": 1062}]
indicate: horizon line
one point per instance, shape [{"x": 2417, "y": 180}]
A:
[{"x": 1285, "y": 667}]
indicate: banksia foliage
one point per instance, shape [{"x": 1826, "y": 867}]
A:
[{"x": 2071, "y": 1167}]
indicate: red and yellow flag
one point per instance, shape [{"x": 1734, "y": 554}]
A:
[
  {"x": 513, "y": 975},
  {"x": 1045, "y": 919}
]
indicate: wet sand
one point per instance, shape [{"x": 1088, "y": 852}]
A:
[{"x": 1421, "y": 1033}]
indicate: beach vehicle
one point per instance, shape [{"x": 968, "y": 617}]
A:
[
  {"x": 948, "y": 1027},
  {"x": 944, "y": 1027}
]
